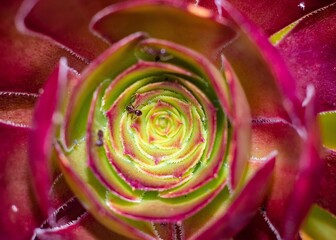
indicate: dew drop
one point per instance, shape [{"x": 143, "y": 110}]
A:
[
  {"x": 14, "y": 208},
  {"x": 40, "y": 91},
  {"x": 163, "y": 51},
  {"x": 302, "y": 5}
]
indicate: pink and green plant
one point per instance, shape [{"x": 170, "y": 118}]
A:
[{"x": 167, "y": 119}]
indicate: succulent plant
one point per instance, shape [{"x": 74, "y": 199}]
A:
[{"x": 173, "y": 120}]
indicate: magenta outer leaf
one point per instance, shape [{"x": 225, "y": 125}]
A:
[
  {"x": 42, "y": 137},
  {"x": 63, "y": 219},
  {"x": 327, "y": 194},
  {"x": 26, "y": 61},
  {"x": 84, "y": 228},
  {"x": 241, "y": 120},
  {"x": 267, "y": 86},
  {"x": 66, "y": 22},
  {"x": 297, "y": 173},
  {"x": 244, "y": 206},
  {"x": 293, "y": 169},
  {"x": 257, "y": 229},
  {"x": 292, "y": 190},
  {"x": 310, "y": 54},
  {"x": 306, "y": 185},
  {"x": 17, "y": 108},
  {"x": 19, "y": 212},
  {"x": 71, "y": 221},
  {"x": 169, "y": 20},
  {"x": 270, "y": 16}
]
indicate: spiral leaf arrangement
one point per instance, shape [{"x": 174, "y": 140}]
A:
[{"x": 146, "y": 139}]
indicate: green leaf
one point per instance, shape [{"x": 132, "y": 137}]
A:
[
  {"x": 278, "y": 36},
  {"x": 320, "y": 224},
  {"x": 327, "y": 122}
]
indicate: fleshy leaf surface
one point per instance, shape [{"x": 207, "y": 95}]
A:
[
  {"x": 320, "y": 224},
  {"x": 273, "y": 16},
  {"x": 272, "y": 84},
  {"x": 326, "y": 196},
  {"x": 18, "y": 207},
  {"x": 170, "y": 20},
  {"x": 67, "y": 25},
  {"x": 311, "y": 56},
  {"x": 47, "y": 117},
  {"x": 297, "y": 173},
  {"x": 257, "y": 229},
  {"x": 238, "y": 210},
  {"x": 26, "y": 61},
  {"x": 327, "y": 121},
  {"x": 17, "y": 108}
]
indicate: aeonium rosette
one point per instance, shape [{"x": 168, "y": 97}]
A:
[
  {"x": 187, "y": 126},
  {"x": 149, "y": 135}
]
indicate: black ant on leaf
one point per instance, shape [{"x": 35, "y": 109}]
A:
[
  {"x": 100, "y": 141},
  {"x": 131, "y": 109}
]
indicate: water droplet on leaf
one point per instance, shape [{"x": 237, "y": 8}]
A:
[{"x": 302, "y": 5}]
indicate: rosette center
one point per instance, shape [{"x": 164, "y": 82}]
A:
[
  {"x": 163, "y": 131},
  {"x": 168, "y": 139}
]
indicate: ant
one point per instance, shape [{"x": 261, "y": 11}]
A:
[
  {"x": 131, "y": 109},
  {"x": 100, "y": 141}
]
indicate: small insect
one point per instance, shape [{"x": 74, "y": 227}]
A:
[
  {"x": 159, "y": 55},
  {"x": 100, "y": 141},
  {"x": 157, "y": 58},
  {"x": 131, "y": 109}
]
